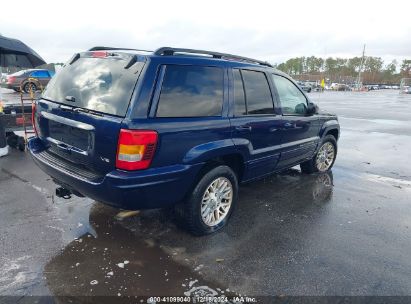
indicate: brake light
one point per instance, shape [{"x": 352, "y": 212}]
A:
[
  {"x": 99, "y": 54},
  {"x": 11, "y": 79},
  {"x": 135, "y": 149},
  {"x": 33, "y": 117}
]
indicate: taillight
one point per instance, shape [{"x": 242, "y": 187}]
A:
[
  {"x": 33, "y": 117},
  {"x": 11, "y": 79},
  {"x": 135, "y": 149}
]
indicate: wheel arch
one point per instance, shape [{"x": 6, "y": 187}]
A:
[
  {"x": 234, "y": 160},
  {"x": 330, "y": 127},
  {"x": 334, "y": 132}
]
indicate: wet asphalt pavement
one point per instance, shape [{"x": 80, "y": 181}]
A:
[{"x": 345, "y": 233}]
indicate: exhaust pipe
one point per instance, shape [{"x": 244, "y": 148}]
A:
[{"x": 63, "y": 192}]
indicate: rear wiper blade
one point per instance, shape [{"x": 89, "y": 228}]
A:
[
  {"x": 77, "y": 110},
  {"x": 45, "y": 98},
  {"x": 66, "y": 108},
  {"x": 87, "y": 111}
]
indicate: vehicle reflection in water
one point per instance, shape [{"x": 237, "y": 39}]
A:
[{"x": 148, "y": 255}]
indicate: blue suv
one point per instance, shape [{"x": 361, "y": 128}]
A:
[{"x": 175, "y": 127}]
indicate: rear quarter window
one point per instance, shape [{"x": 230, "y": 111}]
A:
[{"x": 191, "y": 91}]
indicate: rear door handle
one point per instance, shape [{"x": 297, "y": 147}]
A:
[
  {"x": 288, "y": 125},
  {"x": 243, "y": 128},
  {"x": 294, "y": 126}
]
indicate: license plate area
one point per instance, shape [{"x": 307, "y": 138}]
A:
[{"x": 71, "y": 136}]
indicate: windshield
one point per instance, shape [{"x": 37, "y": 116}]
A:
[{"x": 98, "y": 84}]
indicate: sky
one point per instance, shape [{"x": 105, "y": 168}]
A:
[{"x": 267, "y": 30}]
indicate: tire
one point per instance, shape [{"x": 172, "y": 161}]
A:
[
  {"x": 311, "y": 166},
  {"x": 27, "y": 86},
  {"x": 21, "y": 144},
  {"x": 190, "y": 211}
]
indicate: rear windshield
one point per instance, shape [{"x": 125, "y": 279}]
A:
[{"x": 98, "y": 84}]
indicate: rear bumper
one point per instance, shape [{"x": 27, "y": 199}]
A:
[
  {"x": 11, "y": 86},
  {"x": 145, "y": 189}
]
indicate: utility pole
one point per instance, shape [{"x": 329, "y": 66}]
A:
[{"x": 361, "y": 65}]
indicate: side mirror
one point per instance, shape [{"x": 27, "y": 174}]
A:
[
  {"x": 312, "y": 109},
  {"x": 301, "y": 108}
]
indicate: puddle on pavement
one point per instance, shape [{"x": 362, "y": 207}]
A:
[{"x": 115, "y": 262}]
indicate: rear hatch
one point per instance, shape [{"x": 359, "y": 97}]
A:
[{"x": 79, "y": 116}]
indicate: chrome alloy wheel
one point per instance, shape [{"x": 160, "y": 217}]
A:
[
  {"x": 216, "y": 202},
  {"x": 325, "y": 157},
  {"x": 30, "y": 87}
]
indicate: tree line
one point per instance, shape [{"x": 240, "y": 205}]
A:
[{"x": 373, "y": 70}]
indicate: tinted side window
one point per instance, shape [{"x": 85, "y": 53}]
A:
[
  {"x": 191, "y": 91},
  {"x": 257, "y": 92},
  {"x": 40, "y": 74},
  {"x": 239, "y": 97},
  {"x": 293, "y": 102}
]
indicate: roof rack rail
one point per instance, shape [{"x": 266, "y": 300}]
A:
[
  {"x": 169, "y": 51},
  {"x": 107, "y": 48}
]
